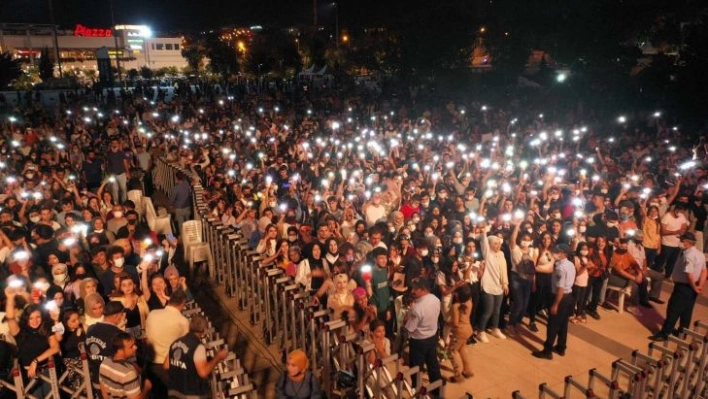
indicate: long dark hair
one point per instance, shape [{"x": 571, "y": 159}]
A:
[
  {"x": 461, "y": 295},
  {"x": 24, "y": 319}
]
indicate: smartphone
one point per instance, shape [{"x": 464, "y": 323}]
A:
[{"x": 170, "y": 237}]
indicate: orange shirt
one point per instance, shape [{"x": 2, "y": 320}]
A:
[{"x": 624, "y": 262}]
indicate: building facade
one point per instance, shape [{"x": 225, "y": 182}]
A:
[{"x": 134, "y": 45}]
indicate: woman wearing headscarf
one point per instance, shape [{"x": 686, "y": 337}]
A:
[{"x": 495, "y": 284}]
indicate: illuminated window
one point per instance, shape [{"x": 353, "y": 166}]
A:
[{"x": 159, "y": 46}]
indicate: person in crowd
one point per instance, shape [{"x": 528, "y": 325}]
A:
[
  {"x": 562, "y": 307},
  {"x": 162, "y": 328},
  {"x": 118, "y": 376},
  {"x": 523, "y": 275},
  {"x": 495, "y": 284},
  {"x": 99, "y": 338},
  {"x": 461, "y": 311},
  {"x": 341, "y": 299},
  {"x": 689, "y": 276},
  {"x": 297, "y": 382},
  {"x": 580, "y": 288},
  {"x": 421, "y": 323},
  {"x": 187, "y": 366},
  {"x": 626, "y": 272}
]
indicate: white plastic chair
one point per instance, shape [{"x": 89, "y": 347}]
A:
[
  {"x": 159, "y": 224},
  {"x": 195, "y": 249},
  {"x": 137, "y": 197}
]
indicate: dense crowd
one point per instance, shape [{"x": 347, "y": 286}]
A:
[{"x": 364, "y": 202}]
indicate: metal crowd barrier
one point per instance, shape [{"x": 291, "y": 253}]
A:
[
  {"x": 675, "y": 368},
  {"x": 229, "y": 380},
  {"x": 284, "y": 312},
  {"x": 57, "y": 383}
]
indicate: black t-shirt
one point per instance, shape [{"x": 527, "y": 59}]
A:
[
  {"x": 31, "y": 344},
  {"x": 99, "y": 341}
]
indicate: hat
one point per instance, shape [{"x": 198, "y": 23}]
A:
[
  {"x": 359, "y": 293},
  {"x": 564, "y": 248},
  {"x": 299, "y": 358},
  {"x": 170, "y": 271},
  {"x": 112, "y": 308},
  {"x": 688, "y": 236}
]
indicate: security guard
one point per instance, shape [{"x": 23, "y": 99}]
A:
[
  {"x": 562, "y": 308},
  {"x": 187, "y": 363},
  {"x": 421, "y": 323},
  {"x": 689, "y": 275}
]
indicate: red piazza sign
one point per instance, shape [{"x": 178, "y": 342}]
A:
[{"x": 84, "y": 31}]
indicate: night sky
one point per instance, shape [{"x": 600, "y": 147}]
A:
[{"x": 191, "y": 14}]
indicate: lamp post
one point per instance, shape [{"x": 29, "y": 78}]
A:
[
  {"x": 115, "y": 40},
  {"x": 336, "y": 21},
  {"x": 56, "y": 40}
]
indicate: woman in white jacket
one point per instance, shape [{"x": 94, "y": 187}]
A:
[{"x": 495, "y": 284}]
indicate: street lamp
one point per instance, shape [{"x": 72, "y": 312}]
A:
[
  {"x": 115, "y": 40},
  {"x": 56, "y": 40},
  {"x": 336, "y": 21}
]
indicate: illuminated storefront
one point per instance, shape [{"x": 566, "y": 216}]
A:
[{"x": 136, "y": 45}]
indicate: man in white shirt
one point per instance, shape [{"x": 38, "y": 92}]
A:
[
  {"x": 673, "y": 224},
  {"x": 163, "y": 327},
  {"x": 636, "y": 249},
  {"x": 421, "y": 322}
]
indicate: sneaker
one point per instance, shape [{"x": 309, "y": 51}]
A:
[
  {"x": 496, "y": 333},
  {"x": 594, "y": 314},
  {"x": 533, "y": 327},
  {"x": 472, "y": 341},
  {"x": 634, "y": 310},
  {"x": 543, "y": 355},
  {"x": 482, "y": 337},
  {"x": 543, "y": 313}
]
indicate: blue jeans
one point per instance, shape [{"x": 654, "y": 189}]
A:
[
  {"x": 491, "y": 309},
  {"x": 520, "y": 296}
]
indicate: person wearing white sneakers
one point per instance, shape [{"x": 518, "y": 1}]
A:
[{"x": 495, "y": 284}]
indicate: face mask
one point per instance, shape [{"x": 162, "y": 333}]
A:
[
  {"x": 118, "y": 214},
  {"x": 34, "y": 219},
  {"x": 582, "y": 229},
  {"x": 526, "y": 244},
  {"x": 59, "y": 278},
  {"x": 119, "y": 262},
  {"x": 428, "y": 235},
  {"x": 392, "y": 229},
  {"x": 584, "y": 252},
  {"x": 556, "y": 216},
  {"x": 435, "y": 259},
  {"x": 292, "y": 238},
  {"x": 416, "y": 220},
  {"x": 624, "y": 218},
  {"x": 424, "y": 253},
  {"x": 98, "y": 231},
  {"x": 529, "y": 230},
  {"x": 604, "y": 191},
  {"x": 30, "y": 176},
  {"x": 425, "y": 204},
  {"x": 457, "y": 240},
  {"x": 411, "y": 227},
  {"x": 442, "y": 196}
]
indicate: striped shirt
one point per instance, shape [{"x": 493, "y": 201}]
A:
[{"x": 120, "y": 378}]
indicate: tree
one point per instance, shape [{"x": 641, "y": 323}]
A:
[
  {"x": 133, "y": 74},
  {"x": 272, "y": 52},
  {"x": 223, "y": 58},
  {"x": 46, "y": 68},
  {"x": 9, "y": 69},
  {"x": 146, "y": 73},
  {"x": 194, "y": 56}
]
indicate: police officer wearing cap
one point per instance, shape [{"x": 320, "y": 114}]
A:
[
  {"x": 689, "y": 275},
  {"x": 562, "y": 308}
]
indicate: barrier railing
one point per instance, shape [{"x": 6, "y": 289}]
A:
[
  {"x": 284, "y": 311},
  {"x": 675, "y": 368}
]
